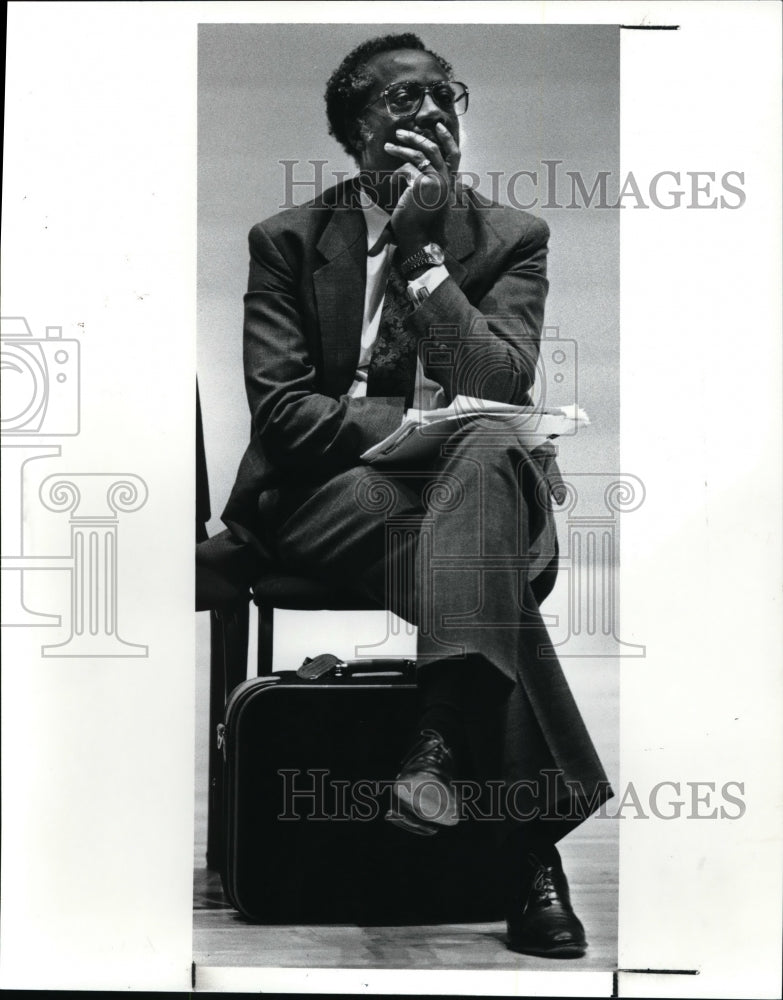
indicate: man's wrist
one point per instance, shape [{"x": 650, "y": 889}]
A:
[
  {"x": 421, "y": 260},
  {"x": 411, "y": 274},
  {"x": 422, "y": 287}
]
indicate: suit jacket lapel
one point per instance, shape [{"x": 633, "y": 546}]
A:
[{"x": 339, "y": 294}]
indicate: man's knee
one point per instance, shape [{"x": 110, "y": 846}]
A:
[{"x": 490, "y": 450}]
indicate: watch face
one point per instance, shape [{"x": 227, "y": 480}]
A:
[{"x": 435, "y": 252}]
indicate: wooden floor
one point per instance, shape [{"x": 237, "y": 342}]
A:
[{"x": 222, "y": 939}]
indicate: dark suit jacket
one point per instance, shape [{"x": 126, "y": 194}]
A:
[{"x": 303, "y": 323}]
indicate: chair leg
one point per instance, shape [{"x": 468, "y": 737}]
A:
[
  {"x": 266, "y": 629},
  {"x": 228, "y": 667},
  {"x": 217, "y": 684},
  {"x": 236, "y": 627}
]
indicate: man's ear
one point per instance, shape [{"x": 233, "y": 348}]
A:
[{"x": 359, "y": 136}]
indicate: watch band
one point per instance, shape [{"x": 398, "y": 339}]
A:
[{"x": 429, "y": 256}]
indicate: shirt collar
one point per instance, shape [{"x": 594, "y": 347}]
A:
[{"x": 375, "y": 218}]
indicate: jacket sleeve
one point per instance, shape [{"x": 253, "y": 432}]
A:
[
  {"x": 489, "y": 349},
  {"x": 297, "y": 425}
]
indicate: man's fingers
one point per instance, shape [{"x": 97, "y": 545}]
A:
[
  {"x": 430, "y": 149},
  {"x": 414, "y": 157},
  {"x": 408, "y": 171},
  {"x": 444, "y": 148},
  {"x": 415, "y": 176},
  {"x": 451, "y": 150}
]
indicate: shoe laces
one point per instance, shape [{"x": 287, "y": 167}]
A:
[
  {"x": 544, "y": 885},
  {"x": 430, "y": 749},
  {"x": 548, "y": 884}
]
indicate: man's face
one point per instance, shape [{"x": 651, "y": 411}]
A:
[{"x": 380, "y": 127}]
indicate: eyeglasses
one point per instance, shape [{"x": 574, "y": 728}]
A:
[{"x": 404, "y": 99}]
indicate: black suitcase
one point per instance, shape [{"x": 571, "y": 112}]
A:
[{"x": 307, "y": 772}]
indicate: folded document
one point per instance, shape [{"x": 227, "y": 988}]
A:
[{"x": 420, "y": 435}]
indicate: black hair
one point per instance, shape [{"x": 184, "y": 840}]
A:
[{"x": 350, "y": 84}]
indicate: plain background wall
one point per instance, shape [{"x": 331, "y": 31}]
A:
[{"x": 536, "y": 93}]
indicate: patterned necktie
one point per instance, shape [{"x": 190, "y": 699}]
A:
[{"x": 392, "y": 368}]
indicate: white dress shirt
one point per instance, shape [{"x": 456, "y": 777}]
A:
[{"x": 427, "y": 395}]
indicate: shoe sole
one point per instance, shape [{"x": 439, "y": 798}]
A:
[
  {"x": 426, "y": 803},
  {"x": 411, "y": 824},
  {"x": 557, "y": 951}
]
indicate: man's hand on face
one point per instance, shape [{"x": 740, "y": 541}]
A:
[{"x": 429, "y": 164}]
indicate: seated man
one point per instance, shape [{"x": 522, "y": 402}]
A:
[{"x": 396, "y": 291}]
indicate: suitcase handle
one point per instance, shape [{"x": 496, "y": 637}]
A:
[{"x": 329, "y": 665}]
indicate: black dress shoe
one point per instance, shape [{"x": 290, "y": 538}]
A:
[
  {"x": 423, "y": 797},
  {"x": 542, "y": 921}
]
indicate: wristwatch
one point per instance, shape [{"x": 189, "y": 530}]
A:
[{"x": 430, "y": 255}]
